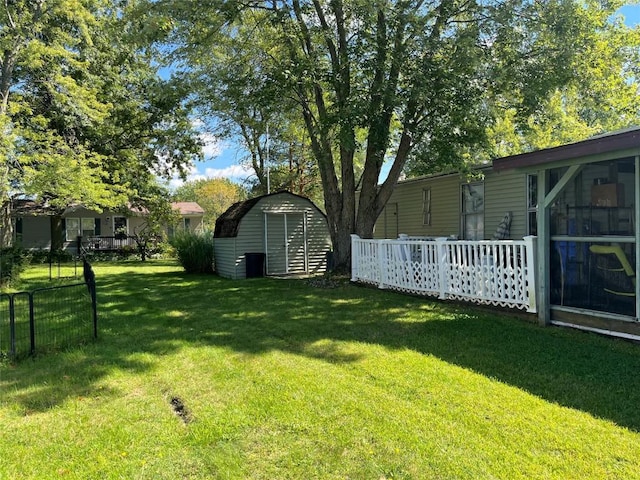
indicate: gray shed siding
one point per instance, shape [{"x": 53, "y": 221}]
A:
[
  {"x": 225, "y": 257},
  {"x": 503, "y": 191},
  {"x": 230, "y": 252}
]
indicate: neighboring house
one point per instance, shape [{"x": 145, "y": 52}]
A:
[
  {"x": 35, "y": 224},
  {"x": 454, "y": 205},
  {"x": 191, "y": 217},
  {"x": 579, "y": 199},
  {"x": 276, "y": 234}
]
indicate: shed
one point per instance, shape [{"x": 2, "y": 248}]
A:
[{"x": 283, "y": 232}]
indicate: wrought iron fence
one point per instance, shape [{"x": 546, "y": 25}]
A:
[{"x": 48, "y": 318}]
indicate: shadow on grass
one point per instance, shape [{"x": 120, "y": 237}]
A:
[{"x": 159, "y": 313}]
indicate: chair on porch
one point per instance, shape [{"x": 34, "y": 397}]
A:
[{"x": 619, "y": 275}]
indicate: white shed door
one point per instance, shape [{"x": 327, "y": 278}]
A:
[{"x": 286, "y": 243}]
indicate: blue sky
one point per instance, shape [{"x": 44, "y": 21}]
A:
[{"x": 222, "y": 158}]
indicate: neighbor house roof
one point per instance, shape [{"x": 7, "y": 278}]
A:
[
  {"x": 32, "y": 207},
  {"x": 601, "y": 144},
  {"x": 187, "y": 208},
  {"x": 21, "y": 207}
]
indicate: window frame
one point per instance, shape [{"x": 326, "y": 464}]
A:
[
  {"x": 476, "y": 212},
  {"x": 426, "y": 206},
  {"x": 532, "y": 203}
]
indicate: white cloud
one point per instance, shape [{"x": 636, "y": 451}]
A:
[
  {"x": 234, "y": 172},
  {"x": 212, "y": 146}
]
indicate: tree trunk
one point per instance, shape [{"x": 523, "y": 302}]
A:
[
  {"x": 56, "y": 233},
  {"x": 6, "y": 225}
]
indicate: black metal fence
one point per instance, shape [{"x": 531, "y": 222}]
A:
[{"x": 48, "y": 318}]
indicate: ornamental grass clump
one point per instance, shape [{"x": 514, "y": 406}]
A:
[{"x": 194, "y": 251}]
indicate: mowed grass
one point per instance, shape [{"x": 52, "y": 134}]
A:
[{"x": 194, "y": 376}]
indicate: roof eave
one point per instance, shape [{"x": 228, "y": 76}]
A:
[{"x": 626, "y": 141}]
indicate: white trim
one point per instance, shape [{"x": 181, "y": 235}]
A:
[
  {"x": 612, "y": 333},
  {"x": 594, "y": 313}
]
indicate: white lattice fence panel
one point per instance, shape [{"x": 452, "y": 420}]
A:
[{"x": 491, "y": 272}]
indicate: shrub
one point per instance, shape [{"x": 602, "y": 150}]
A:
[
  {"x": 12, "y": 262},
  {"x": 46, "y": 256},
  {"x": 194, "y": 251}
]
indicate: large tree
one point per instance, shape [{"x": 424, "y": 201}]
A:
[
  {"x": 214, "y": 195},
  {"x": 38, "y": 42},
  {"x": 393, "y": 78},
  {"x": 603, "y": 96},
  {"x": 87, "y": 118}
]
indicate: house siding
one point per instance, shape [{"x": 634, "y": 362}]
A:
[
  {"x": 445, "y": 207},
  {"x": 36, "y": 228},
  {"x": 503, "y": 191},
  {"x": 36, "y": 232}
]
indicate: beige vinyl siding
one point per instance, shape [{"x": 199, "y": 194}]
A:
[
  {"x": 445, "y": 206},
  {"x": 505, "y": 192}
]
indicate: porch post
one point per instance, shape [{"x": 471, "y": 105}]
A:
[
  {"x": 355, "y": 257},
  {"x": 543, "y": 254},
  {"x": 443, "y": 265},
  {"x": 530, "y": 275}
]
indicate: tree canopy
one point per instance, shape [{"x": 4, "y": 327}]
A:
[
  {"x": 214, "y": 195},
  {"x": 388, "y": 80},
  {"x": 86, "y": 117}
]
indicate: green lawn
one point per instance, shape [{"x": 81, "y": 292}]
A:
[{"x": 201, "y": 377}]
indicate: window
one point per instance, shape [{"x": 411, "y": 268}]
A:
[
  {"x": 532, "y": 204},
  {"x": 426, "y": 206},
  {"x": 593, "y": 254},
  {"x": 473, "y": 211},
  {"x": 120, "y": 227},
  {"x": 79, "y": 227},
  {"x": 187, "y": 224},
  {"x": 72, "y": 229},
  {"x": 88, "y": 227}
]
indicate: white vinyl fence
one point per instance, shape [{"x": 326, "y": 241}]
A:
[{"x": 494, "y": 272}]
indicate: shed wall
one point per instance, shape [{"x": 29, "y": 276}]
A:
[{"x": 225, "y": 257}]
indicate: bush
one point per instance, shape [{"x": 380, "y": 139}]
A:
[
  {"x": 46, "y": 256},
  {"x": 12, "y": 262},
  {"x": 194, "y": 251}
]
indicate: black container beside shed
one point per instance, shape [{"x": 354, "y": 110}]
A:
[{"x": 254, "y": 264}]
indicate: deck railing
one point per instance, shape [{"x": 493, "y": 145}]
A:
[
  {"x": 490, "y": 272},
  {"x": 107, "y": 243}
]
